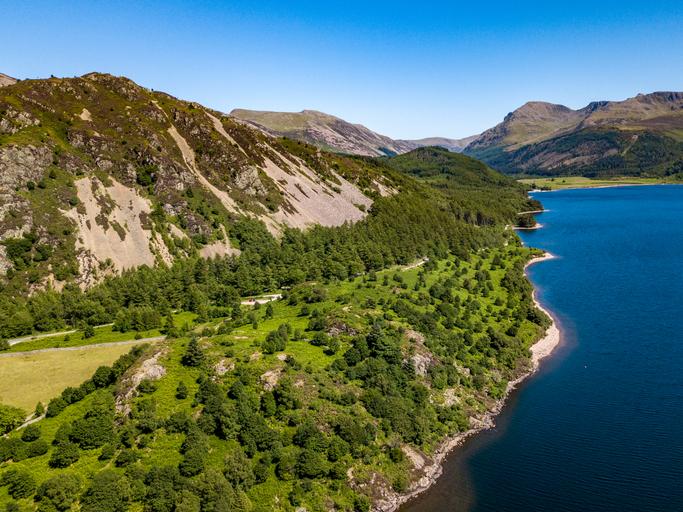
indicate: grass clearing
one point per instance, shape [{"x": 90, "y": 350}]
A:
[{"x": 26, "y": 379}]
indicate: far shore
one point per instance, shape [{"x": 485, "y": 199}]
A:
[
  {"x": 580, "y": 182},
  {"x": 539, "y": 350}
]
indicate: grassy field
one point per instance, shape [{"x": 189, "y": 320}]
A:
[
  {"x": 581, "y": 182},
  {"x": 26, "y": 379}
]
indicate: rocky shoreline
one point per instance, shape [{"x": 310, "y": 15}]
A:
[{"x": 431, "y": 472}]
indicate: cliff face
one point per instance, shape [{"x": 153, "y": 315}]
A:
[
  {"x": 640, "y": 135},
  {"x": 98, "y": 174}
]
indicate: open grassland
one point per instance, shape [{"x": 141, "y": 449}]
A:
[
  {"x": 567, "y": 182},
  {"x": 26, "y": 379}
]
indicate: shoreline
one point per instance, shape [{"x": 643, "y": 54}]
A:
[
  {"x": 615, "y": 185},
  {"x": 431, "y": 472}
]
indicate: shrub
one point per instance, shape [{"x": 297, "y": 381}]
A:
[
  {"x": 10, "y": 418},
  {"x": 55, "y": 406},
  {"x": 62, "y": 434},
  {"x": 181, "y": 391},
  {"x": 102, "y": 377},
  {"x": 126, "y": 457},
  {"x": 36, "y": 448},
  {"x": 147, "y": 386},
  {"x": 109, "y": 492},
  {"x": 107, "y": 452},
  {"x": 64, "y": 455},
  {"x": 20, "y": 484},
  {"x": 59, "y": 492},
  {"x": 238, "y": 470},
  {"x": 11, "y": 449}
]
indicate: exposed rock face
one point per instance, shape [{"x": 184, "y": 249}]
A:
[
  {"x": 113, "y": 229},
  {"x": 125, "y": 171},
  {"x": 149, "y": 369},
  {"x": 640, "y": 134},
  {"x": 335, "y": 134},
  {"x": 19, "y": 165}
]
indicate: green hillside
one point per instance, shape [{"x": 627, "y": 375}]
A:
[
  {"x": 379, "y": 336},
  {"x": 640, "y": 136}
]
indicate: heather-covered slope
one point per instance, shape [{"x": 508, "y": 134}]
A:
[{"x": 98, "y": 174}]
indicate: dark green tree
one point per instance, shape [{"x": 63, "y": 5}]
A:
[{"x": 194, "y": 355}]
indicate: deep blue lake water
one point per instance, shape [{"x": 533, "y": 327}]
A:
[{"x": 600, "y": 427}]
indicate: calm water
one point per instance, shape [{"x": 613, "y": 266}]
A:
[{"x": 600, "y": 427}]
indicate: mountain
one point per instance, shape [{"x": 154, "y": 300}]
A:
[
  {"x": 99, "y": 175},
  {"x": 638, "y": 136},
  {"x": 6, "y": 80},
  {"x": 454, "y": 145},
  {"x": 334, "y": 134}
]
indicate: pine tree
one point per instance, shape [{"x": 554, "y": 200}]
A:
[
  {"x": 181, "y": 391},
  {"x": 170, "y": 329},
  {"x": 193, "y": 355}
]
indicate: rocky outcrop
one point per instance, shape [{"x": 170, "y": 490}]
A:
[{"x": 19, "y": 166}]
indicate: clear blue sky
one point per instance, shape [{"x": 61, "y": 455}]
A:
[{"x": 406, "y": 69}]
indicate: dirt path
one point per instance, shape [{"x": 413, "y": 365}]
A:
[
  {"x": 33, "y": 337},
  {"x": 82, "y": 347}
]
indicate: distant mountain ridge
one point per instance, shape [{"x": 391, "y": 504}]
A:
[
  {"x": 334, "y": 134},
  {"x": 640, "y": 135}
]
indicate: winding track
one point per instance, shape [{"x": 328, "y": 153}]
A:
[{"x": 80, "y": 347}]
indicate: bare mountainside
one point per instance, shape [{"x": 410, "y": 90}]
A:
[
  {"x": 638, "y": 136},
  {"x": 98, "y": 175},
  {"x": 334, "y": 134},
  {"x": 6, "y": 80}
]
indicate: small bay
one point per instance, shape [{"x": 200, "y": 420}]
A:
[{"x": 600, "y": 426}]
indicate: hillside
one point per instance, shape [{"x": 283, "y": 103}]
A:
[
  {"x": 638, "y": 136},
  {"x": 471, "y": 184},
  {"x": 98, "y": 175},
  {"x": 334, "y": 134},
  {"x": 260, "y": 325}
]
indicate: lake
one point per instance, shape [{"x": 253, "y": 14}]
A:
[{"x": 600, "y": 426}]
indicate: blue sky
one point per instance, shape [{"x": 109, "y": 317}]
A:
[{"x": 405, "y": 69}]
